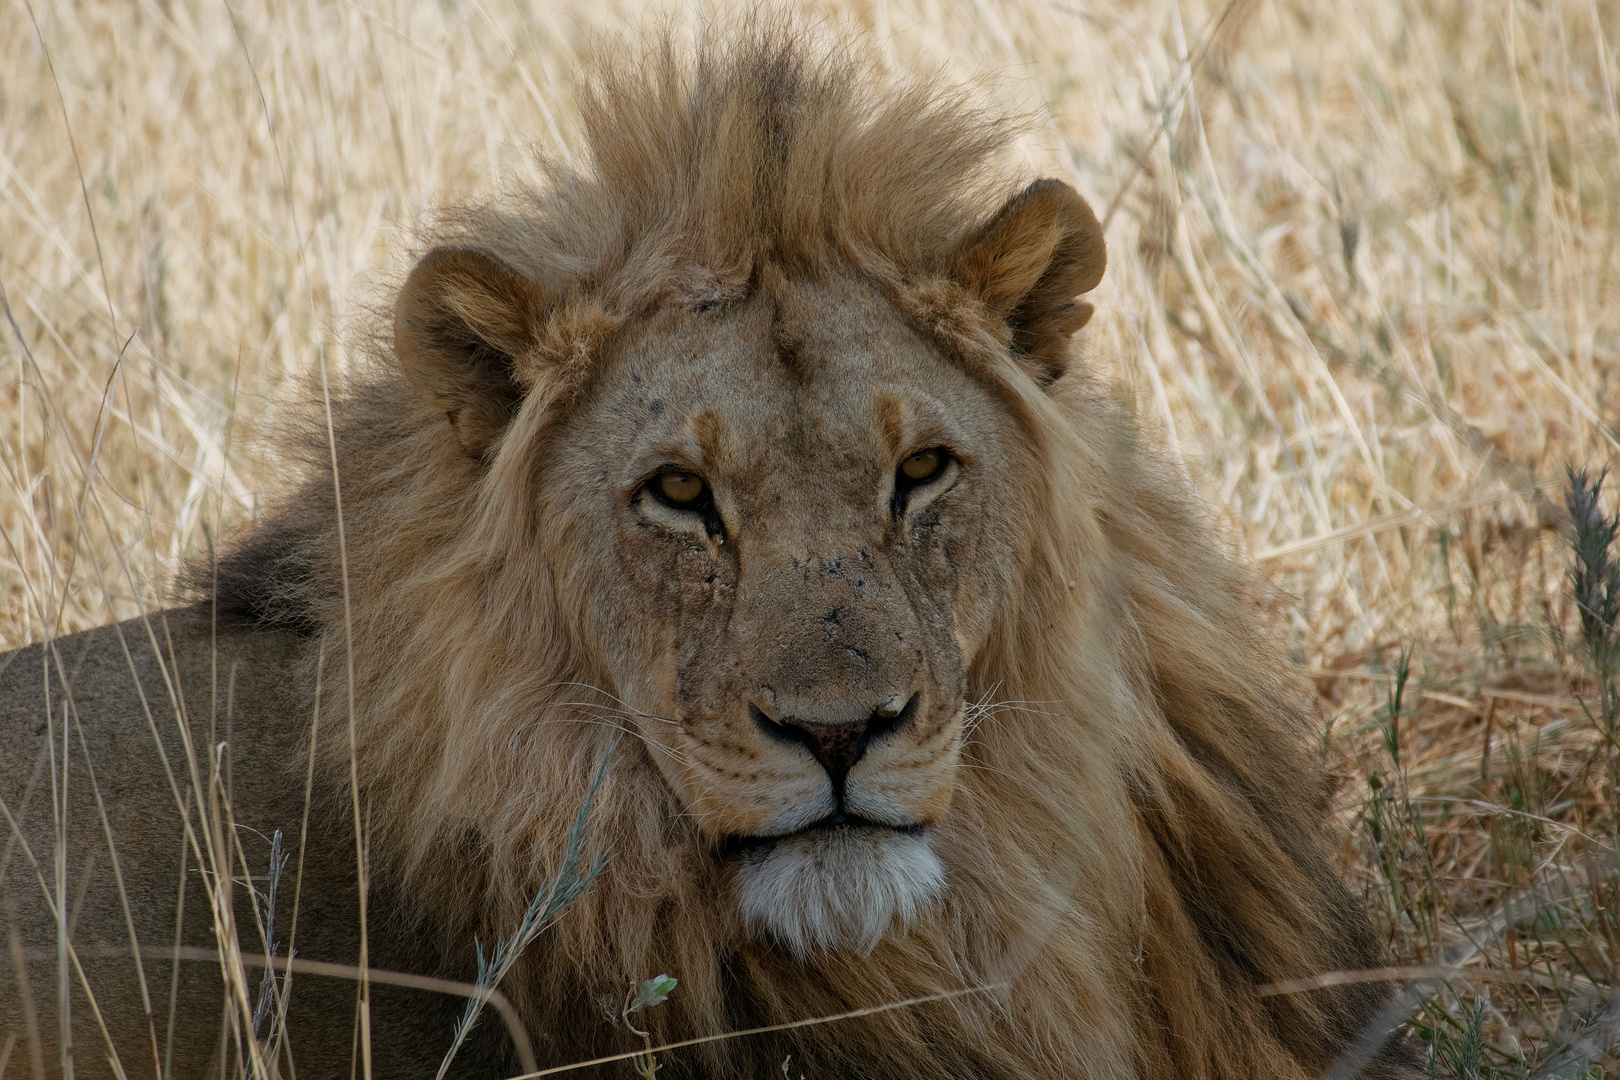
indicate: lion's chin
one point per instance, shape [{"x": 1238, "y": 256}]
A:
[{"x": 838, "y": 888}]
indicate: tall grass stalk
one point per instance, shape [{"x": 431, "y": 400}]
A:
[
  {"x": 1595, "y": 581},
  {"x": 573, "y": 878}
]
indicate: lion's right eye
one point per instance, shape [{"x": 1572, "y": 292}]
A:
[{"x": 682, "y": 489}]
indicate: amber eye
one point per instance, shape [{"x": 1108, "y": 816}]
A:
[
  {"x": 681, "y": 488},
  {"x": 923, "y": 465}
]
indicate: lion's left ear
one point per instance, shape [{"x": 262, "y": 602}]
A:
[{"x": 1029, "y": 263}]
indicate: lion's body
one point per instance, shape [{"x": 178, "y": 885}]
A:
[
  {"x": 1123, "y": 847},
  {"x": 114, "y": 693}
]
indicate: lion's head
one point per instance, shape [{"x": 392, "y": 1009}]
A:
[
  {"x": 756, "y": 435},
  {"x": 795, "y": 513}
]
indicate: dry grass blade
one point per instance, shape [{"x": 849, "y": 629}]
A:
[
  {"x": 815, "y": 1021},
  {"x": 493, "y": 997}
]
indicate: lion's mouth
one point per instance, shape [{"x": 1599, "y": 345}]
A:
[{"x": 743, "y": 844}]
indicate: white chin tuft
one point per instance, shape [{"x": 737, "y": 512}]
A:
[{"x": 838, "y": 888}]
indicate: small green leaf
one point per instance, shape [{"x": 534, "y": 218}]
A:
[{"x": 653, "y": 992}]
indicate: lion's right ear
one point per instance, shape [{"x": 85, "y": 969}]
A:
[
  {"x": 1029, "y": 264},
  {"x": 462, "y": 321}
]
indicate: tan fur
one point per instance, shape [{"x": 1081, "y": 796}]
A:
[{"x": 797, "y": 264}]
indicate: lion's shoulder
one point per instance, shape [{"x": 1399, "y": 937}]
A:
[{"x": 124, "y": 682}]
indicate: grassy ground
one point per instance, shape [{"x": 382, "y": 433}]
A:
[{"x": 1362, "y": 283}]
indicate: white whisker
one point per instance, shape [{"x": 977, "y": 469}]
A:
[{"x": 610, "y": 722}]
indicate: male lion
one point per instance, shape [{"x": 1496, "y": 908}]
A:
[{"x": 756, "y": 437}]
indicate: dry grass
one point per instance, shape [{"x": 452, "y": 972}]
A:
[{"x": 1362, "y": 282}]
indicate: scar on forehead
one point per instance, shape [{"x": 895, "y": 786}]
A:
[
  {"x": 788, "y": 321},
  {"x": 891, "y": 421},
  {"x": 787, "y": 340},
  {"x": 706, "y": 429}
]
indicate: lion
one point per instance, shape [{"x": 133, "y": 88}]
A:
[{"x": 731, "y": 514}]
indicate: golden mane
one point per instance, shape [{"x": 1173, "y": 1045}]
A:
[
  {"x": 743, "y": 154},
  {"x": 1136, "y": 841}
]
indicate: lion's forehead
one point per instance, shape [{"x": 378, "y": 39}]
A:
[{"x": 834, "y": 382}]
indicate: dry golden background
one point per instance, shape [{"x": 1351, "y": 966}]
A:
[{"x": 1362, "y": 284}]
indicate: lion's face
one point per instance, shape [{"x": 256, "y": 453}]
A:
[
  {"x": 798, "y": 490},
  {"x": 781, "y": 524}
]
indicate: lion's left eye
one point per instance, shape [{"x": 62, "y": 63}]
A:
[
  {"x": 916, "y": 471},
  {"x": 922, "y": 466}
]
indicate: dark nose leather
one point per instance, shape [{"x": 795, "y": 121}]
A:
[{"x": 836, "y": 746}]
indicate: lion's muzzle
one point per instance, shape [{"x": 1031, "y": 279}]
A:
[
  {"x": 818, "y": 707},
  {"x": 850, "y": 878},
  {"x": 837, "y": 747}
]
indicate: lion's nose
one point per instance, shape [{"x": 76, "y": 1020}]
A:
[{"x": 837, "y": 746}]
